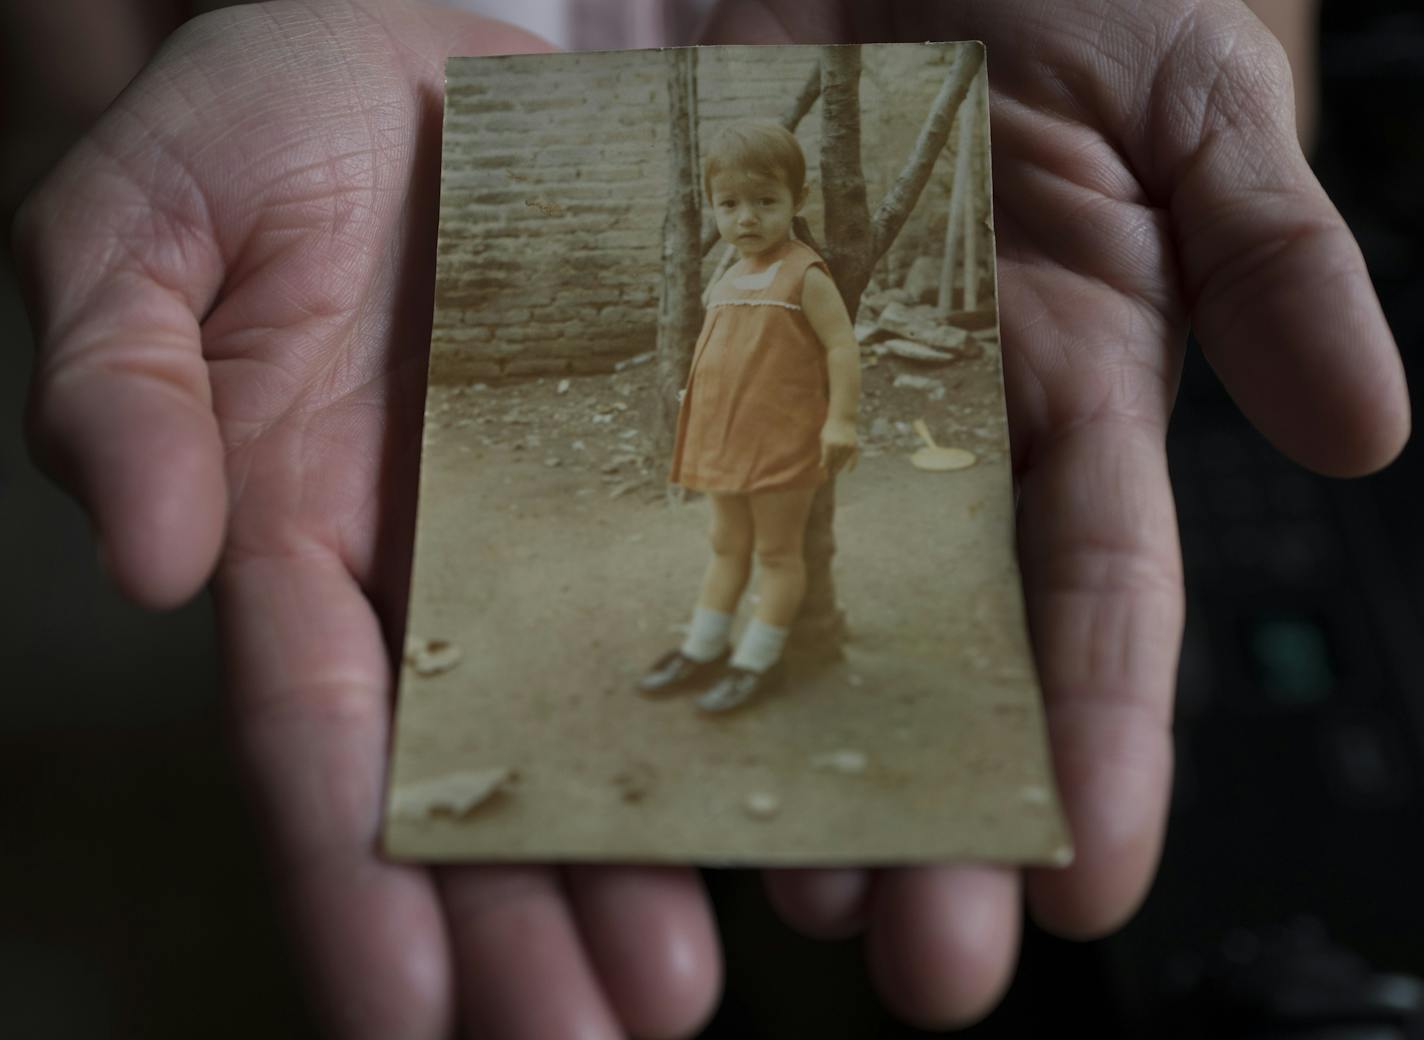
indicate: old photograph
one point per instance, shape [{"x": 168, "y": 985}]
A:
[{"x": 715, "y": 551}]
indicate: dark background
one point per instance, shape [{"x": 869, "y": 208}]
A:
[{"x": 133, "y": 901}]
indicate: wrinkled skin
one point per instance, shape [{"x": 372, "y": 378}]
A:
[{"x": 230, "y": 277}]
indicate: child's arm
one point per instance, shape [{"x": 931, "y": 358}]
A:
[{"x": 826, "y": 311}]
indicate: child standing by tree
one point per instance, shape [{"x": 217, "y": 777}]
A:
[{"x": 769, "y": 414}]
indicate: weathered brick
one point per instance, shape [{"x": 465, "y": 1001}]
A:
[
  {"x": 536, "y": 366},
  {"x": 585, "y": 141}
]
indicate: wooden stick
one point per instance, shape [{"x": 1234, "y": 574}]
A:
[
  {"x": 971, "y": 199},
  {"x": 957, "y": 192}
]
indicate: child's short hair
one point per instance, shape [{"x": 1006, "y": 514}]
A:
[{"x": 761, "y": 146}]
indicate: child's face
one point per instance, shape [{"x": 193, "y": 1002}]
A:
[{"x": 753, "y": 211}]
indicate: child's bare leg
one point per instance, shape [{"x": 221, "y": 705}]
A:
[
  {"x": 705, "y": 646},
  {"x": 779, "y": 520},
  {"x": 731, "y": 563}
]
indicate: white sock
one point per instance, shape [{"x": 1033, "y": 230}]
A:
[
  {"x": 708, "y": 634},
  {"x": 760, "y": 646}
]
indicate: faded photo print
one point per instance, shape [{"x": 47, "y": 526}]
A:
[{"x": 715, "y": 550}]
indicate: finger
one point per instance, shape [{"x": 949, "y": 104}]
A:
[
  {"x": 650, "y": 935},
  {"x": 120, "y": 410},
  {"x": 1281, "y": 300},
  {"x": 822, "y": 904},
  {"x": 942, "y": 941},
  {"x": 854, "y": 458},
  {"x": 309, "y": 699},
  {"x": 521, "y": 972},
  {"x": 1102, "y": 573}
]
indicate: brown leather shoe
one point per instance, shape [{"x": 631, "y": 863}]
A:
[
  {"x": 739, "y": 686},
  {"x": 676, "y": 671}
]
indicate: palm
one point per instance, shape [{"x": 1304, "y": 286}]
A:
[
  {"x": 231, "y": 282},
  {"x": 276, "y": 274},
  {"x": 1146, "y": 175}
]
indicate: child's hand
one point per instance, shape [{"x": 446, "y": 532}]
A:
[{"x": 839, "y": 446}]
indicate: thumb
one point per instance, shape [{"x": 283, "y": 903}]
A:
[{"x": 120, "y": 408}]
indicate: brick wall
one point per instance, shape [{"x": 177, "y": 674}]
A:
[{"x": 554, "y": 188}]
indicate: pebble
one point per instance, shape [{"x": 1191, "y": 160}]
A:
[
  {"x": 627, "y": 486},
  {"x": 915, "y": 382},
  {"x": 761, "y": 805},
  {"x": 1034, "y": 794},
  {"x": 429, "y": 657},
  {"x": 454, "y": 794},
  {"x": 845, "y": 760}
]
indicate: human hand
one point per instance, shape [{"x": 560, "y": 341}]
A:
[
  {"x": 230, "y": 279},
  {"x": 838, "y": 446},
  {"x": 1147, "y": 176}
]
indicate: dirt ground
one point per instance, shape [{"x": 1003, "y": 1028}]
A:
[{"x": 551, "y": 559}]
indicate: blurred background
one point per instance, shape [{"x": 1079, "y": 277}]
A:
[{"x": 133, "y": 902}]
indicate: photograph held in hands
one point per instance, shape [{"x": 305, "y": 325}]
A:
[{"x": 715, "y": 550}]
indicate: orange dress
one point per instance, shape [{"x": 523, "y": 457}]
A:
[{"x": 757, "y": 393}]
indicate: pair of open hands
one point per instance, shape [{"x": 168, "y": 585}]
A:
[{"x": 231, "y": 275}]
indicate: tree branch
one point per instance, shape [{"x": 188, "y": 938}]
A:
[
  {"x": 810, "y": 91},
  {"x": 803, "y": 233},
  {"x": 894, "y": 209}
]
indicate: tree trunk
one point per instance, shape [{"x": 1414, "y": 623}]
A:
[
  {"x": 680, "y": 303},
  {"x": 849, "y": 239},
  {"x": 820, "y": 627},
  {"x": 854, "y": 244}
]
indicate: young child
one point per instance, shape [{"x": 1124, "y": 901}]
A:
[{"x": 769, "y": 414}]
